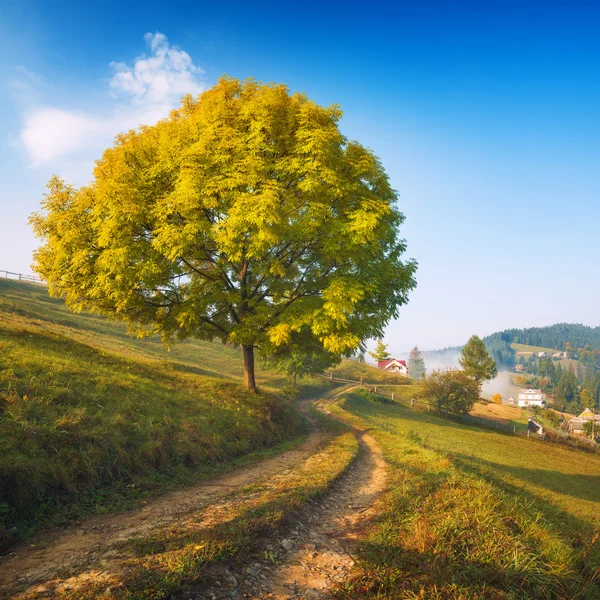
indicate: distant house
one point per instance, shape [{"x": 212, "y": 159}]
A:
[
  {"x": 575, "y": 426},
  {"x": 558, "y": 355},
  {"x": 519, "y": 368},
  {"x": 540, "y": 354},
  {"x": 588, "y": 415},
  {"x": 531, "y": 397},
  {"x": 393, "y": 365}
]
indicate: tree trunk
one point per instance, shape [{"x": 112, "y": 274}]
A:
[
  {"x": 249, "y": 368},
  {"x": 294, "y": 378}
]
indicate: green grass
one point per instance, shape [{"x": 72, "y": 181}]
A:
[
  {"x": 92, "y": 419},
  {"x": 472, "y": 513},
  {"x": 565, "y": 363},
  {"x": 528, "y": 348}
]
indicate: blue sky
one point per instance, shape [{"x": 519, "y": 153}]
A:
[{"x": 486, "y": 116}]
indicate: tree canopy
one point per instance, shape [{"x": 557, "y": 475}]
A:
[
  {"x": 380, "y": 353},
  {"x": 451, "y": 390},
  {"x": 476, "y": 362},
  {"x": 245, "y": 216}
]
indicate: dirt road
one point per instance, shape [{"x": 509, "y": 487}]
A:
[{"x": 297, "y": 563}]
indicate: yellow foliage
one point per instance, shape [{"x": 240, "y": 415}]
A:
[{"x": 245, "y": 215}]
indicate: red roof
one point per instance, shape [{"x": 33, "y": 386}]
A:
[{"x": 382, "y": 364}]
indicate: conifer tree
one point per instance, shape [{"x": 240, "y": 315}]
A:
[{"x": 416, "y": 364}]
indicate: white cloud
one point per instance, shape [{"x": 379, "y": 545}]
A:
[
  {"x": 167, "y": 74},
  {"x": 140, "y": 94},
  {"x": 52, "y": 132}
]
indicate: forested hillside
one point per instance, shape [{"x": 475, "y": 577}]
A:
[{"x": 552, "y": 336}]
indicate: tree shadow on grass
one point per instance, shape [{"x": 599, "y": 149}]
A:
[{"x": 584, "y": 487}]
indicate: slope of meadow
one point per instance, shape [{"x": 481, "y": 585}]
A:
[
  {"x": 91, "y": 418},
  {"x": 472, "y": 513}
]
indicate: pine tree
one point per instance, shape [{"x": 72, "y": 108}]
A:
[{"x": 416, "y": 364}]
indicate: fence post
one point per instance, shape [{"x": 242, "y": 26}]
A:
[
  {"x": 428, "y": 408},
  {"x": 331, "y": 375},
  {"x": 528, "y": 433},
  {"x": 393, "y": 396},
  {"x": 375, "y": 389},
  {"x": 412, "y": 401},
  {"x": 514, "y": 429}
]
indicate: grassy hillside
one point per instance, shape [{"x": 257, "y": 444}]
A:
[
  {"x": 476, "y": 514},
  {"x": 352, "y": 369},
  {"x": 564, "y": 362},
  {"x": 90, "y": 418}
]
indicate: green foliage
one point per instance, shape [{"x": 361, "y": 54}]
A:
[
  {"x": 567, "y": 388},
  {"x": 245, "y": 216},
  {"x": 304, "y": 355},
  {"x": 451, "y": 390},
  {"x": 589, "y": 357},
  {"x": 416, "y": 364},
  {"x": 553, "y": 336},
  {"x": 380, "y": 353},
  {"x": 476, "y": 362},
  {"x": 501, "y": 351}
]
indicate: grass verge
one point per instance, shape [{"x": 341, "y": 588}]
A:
[{"x": 461, "y": 526}]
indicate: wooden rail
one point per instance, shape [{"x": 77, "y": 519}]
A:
[{"x": 21, "y": 277}]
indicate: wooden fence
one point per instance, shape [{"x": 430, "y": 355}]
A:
[
  {"x": 550, "y": 435},
  {"x": 21, "y": 277}
]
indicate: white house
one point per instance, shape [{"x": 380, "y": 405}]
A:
[
  {"x": 531, "y": 397},
  {"x": 393, "y": 365}
]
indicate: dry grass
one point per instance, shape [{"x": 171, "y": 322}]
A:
[
  {"x": 476, "y": 514},
  {"x": 509, "y": 415}
]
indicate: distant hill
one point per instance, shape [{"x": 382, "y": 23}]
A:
[
  {"x": 501, "y": 345},
  {"x": 552, "y": 336}
]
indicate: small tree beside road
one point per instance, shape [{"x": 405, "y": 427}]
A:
[{"x": 451, "y": 390}]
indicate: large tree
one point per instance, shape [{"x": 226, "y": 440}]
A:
[
  {"x": 451, "y": 390},
  {"x": 244, "y": 216},
  {"x": 476, "y": 362}
]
